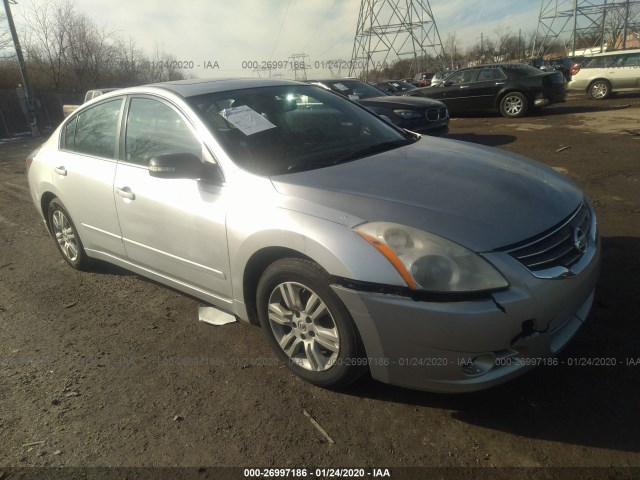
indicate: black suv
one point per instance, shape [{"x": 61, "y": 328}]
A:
[{"x": 560, "y": 64}]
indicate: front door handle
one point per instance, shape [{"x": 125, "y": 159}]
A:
[
  {"x": 126, "y": 193},
  {"x": 464, "y": 86},
  {"x": 499, "y": 83},
  {"x": 61, "y": 171}
]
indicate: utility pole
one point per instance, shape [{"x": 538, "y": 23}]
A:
[
  {"x": 604, "y": 26},
  {"x": 626, "y": 25},
  {"x": 575, "y": 26},
  {"x": 31, "y": 110},
  {"x": 520, "y": 44},
  {"x": 482, "y": 47}
]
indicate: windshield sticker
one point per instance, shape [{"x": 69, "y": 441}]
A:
[
  {"x": 246, "y": 120},
  {"x": 340, "y": 87},
  {"x": 354, "y": 97}
]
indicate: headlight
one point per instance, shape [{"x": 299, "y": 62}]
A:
[
  {"x": 429, "y": 262},
  {"x": 407, "y": 114}
]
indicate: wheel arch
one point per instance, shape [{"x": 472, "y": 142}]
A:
[
  {"x": 335, "y": 248},
  {"x": 253, "y": 270},
  {"x": 509, "y": 90},
  {"x": 45, "y": 201},
  {"x": 599, "y": 79}
]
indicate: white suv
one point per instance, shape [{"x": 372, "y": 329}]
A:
[{"x": 606, "y": 73}]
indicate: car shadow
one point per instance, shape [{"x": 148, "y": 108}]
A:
[
  {"x": 583, "y": 404},
  {"x": 488, "y": 140},
  {"x": 568, "y": 109},
  {"x": 106, "y": 268}
]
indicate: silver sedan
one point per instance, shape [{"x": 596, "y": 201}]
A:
[{"x": 357, "y": 246}]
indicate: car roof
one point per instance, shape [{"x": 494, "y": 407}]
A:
[
  {"x": 334, "y": 80},
  {"x": 194, "y": 87},
  {"x": 614, "y": 52}
]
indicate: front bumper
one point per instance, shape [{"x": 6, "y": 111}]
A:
[{"x": 472, "y": 345}]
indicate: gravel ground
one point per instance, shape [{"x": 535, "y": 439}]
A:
[{"x": 110, "y": 369}]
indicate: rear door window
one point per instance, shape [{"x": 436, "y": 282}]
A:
[{"x": 93, "y": 132}]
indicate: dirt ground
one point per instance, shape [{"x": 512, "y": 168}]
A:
[{"x": 109, "y": 369}]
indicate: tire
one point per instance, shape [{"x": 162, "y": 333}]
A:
[
  {"x": 66, "y": 236},
  {"x": 307, "y": 325},
  {"x": 514, "y": 105},
  {"x": 599, "y": 90}
]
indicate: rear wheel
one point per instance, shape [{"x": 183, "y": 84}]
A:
[
  {"x": 307, "y": 325},
  {"x": 600, "y": 90},
  {"x": 514, "y": 105},
  {"x": 66, "y": 236}
]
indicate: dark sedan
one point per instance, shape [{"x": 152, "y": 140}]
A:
[
  {"x": 415, "y": 114},
  {"x": 512, "y": 89},
  {"x": 394, "y": 87}
]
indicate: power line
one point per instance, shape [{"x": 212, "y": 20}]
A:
[
  {"x": 321, "y": 23},
  {"x": 284, "y": 19}
]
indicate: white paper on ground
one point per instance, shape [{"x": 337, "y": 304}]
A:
[
  {"x": 246, "y": 120},
  {"x": 214, "y": 316}
]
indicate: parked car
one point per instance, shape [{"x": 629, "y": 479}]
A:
[
  {"x": 416, "y": 114},
  {"x": 512, "y": 89},
  {"x": 90, "y": 95},
  {"x": 394, "y": 87},
  {"x": 440, "y": 77},
  {"x": 562, "y": 64},
  {"x": 422, "y": 79},
  {"x": 604, "y": 74},
  {"x": 356, "y": 245}
]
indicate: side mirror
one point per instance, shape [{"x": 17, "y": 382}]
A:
[
  {"x": 176, "y": 165},
  {"x": 446, "y": 83}
]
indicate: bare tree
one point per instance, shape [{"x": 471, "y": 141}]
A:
[
  {"x": 452, "y": 50},
  {"x": 48, "y": 39},
  {"x": 615, "y": 22},
  {"x": 6, "y": 43},
  {"x": 69, "y": 51}
]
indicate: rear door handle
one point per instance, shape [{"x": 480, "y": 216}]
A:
[
  {"x": 499, "y": 83},
  {"x": 464, "y": 86},
  {"x": 126, "y": 193},
  {"x": 61, "y": 171}
]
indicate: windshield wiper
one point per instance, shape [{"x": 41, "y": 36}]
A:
[
  {"x": 372, "y": 150},
  {"x": 352, "y": 155}
]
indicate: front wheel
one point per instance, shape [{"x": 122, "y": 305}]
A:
[
  {"x": 307, "y": 325},
  {"x": 600, "y": 90},
  {"x": 514, "y": 105},
  {"x": 66, "y": 236}
]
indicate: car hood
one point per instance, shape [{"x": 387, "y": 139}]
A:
[
  {"x": 479, "y": 197},
  {"x": 395, "y": 101}
]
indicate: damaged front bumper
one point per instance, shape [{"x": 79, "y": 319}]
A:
[{"x": 464, "y": 346}]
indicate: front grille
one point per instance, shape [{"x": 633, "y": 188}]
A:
[
  {"x": 435, "y": 114},
  {"x": 557, "y": 246},
  {"x": 432, "y": 114}
]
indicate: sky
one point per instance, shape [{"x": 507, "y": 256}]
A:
[{"x": 233, "y": 36}]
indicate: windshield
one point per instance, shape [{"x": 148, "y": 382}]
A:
[
  {"x": 353, "y": 89},
  {"x": 282, "y": 129}
]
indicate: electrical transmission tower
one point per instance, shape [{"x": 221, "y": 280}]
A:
[
  {"x": 390, "y": 30},
  {"x": 299, "y": 62},
  {"x": 585, "y": 24}
]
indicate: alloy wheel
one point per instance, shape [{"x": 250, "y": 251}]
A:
[
  {"x": 65, "y": 236},
  {"x": 303, "y": 326},
  {"x": 513, "y": 105}
]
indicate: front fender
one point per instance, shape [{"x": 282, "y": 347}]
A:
[{"x": 335, "y": 247}]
